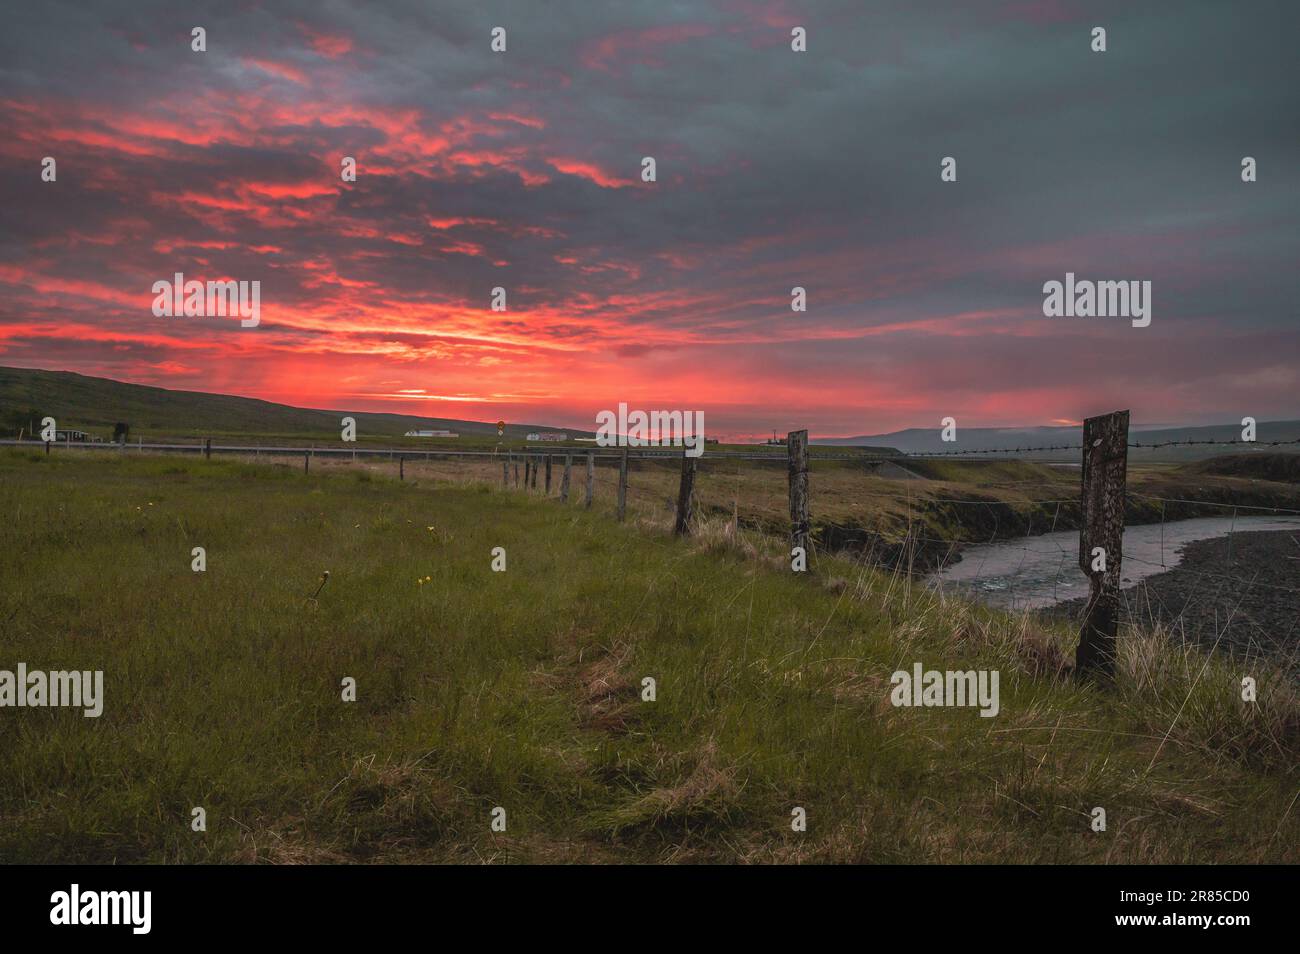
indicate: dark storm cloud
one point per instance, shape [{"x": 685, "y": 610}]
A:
[{"x": 775, "y": 169}]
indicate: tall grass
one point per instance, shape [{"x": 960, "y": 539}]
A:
[{"x": 523, "y": 690}]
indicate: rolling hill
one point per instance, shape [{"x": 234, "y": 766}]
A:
[{"x": 96, "y": 404}]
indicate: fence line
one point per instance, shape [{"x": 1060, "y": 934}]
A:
[{"x": 648, "y": 453}]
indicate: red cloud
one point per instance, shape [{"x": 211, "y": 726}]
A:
[
  {"x": 589, "y": 171},
  {"x": 330, "y": 45},
  {"x": 282, "y": 70}
]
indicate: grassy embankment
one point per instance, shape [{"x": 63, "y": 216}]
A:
[{"x": 522, "y": 689}]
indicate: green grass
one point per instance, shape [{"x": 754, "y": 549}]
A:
[{"x": 522, "y": 689}]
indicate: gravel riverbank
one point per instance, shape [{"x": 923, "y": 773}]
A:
[{"x": 1242, "y": 590}]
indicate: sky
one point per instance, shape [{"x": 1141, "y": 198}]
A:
[{"x": 774, "y": 169}]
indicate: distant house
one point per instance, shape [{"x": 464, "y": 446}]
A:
[
  {"x": 548, "y": 436},
  {"x": 431, "y": 434},
  {"x": 70, "y": 435}
]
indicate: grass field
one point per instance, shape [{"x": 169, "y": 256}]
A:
[{"x": 522, "y": 689}]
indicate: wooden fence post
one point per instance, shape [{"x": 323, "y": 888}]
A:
[
  {"x": 401, "y": 468},
  {"x": 516, "y": 462},
  {"x": 591, "y": 478},
  {"x": 1101, "y": 538},
  {"x": 622, "y": 486},
  {"x": 306, "y": 462},
  {"x": 797, "y": 466},
  {"x": 548, "y": 475},
  {"x": 528, "y": 469},
  {"x": 207, "y": 449},
  {"x": 47, "y": 448},
  {"x": 536, "y": 461},
  {"x": 685, "y": 496},
  {"x": 505, "y": 473},
  {"x": 564, "y": 481}
]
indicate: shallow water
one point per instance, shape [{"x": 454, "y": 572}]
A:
[{"x": 1034, "y": 572}]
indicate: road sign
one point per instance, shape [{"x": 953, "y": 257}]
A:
[{"x": 501, "y": 428}]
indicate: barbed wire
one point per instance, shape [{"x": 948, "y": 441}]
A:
[
  {"x": 1190, "y": 443},
  {"x": 655, "y": 454},
  {"x": 922, "y": 455}
]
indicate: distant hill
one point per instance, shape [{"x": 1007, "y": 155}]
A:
[
  {"x": 929, "y": 441},
  {"x": 96, "y": 404},
  {"x": 918, "y": 440}
]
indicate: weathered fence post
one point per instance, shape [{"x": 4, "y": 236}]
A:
[
  {"x": 306, "y": 462},
  {"x": 1101, "y": 538},
  {"x": 207, "y": 448},
  {"x": 528, "y": 469},
  {"x": 591, "y": 478},
  {"x": 564, "y": 481},
  {"x": 47, "y": 448},
  {"x": 505, "y": 474},
  {"x": 401, "y": 468},
  {"x": 797, "y": 465},
  {"x": 685, "y": 496},
  {"x": 622, "y": 486},
  {"x": 516, "y": 462},
  {"x": 536, "y": 461}
]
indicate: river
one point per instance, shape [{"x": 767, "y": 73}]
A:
[{"x": 1036, "y": 572}]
